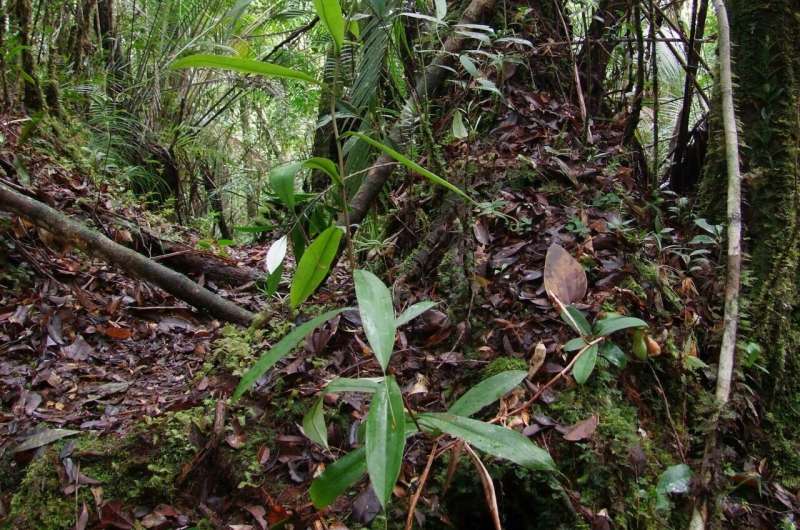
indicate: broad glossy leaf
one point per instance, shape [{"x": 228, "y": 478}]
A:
[
  {"x": 281, "y": 179},
  {"x": 330, "y": 13},
  {"x": 377, "y": 314},
  {"x": 314, "y": 265},
  {"x": 607, "y": 326},
  {"x": 486, "y": 392},
  {"x": 385, "y": 439},
  {"x": 325, "y": 165},
  {"x": 493, "y": 439},
  {"x": 576, "y": 320},
  {"x": 413, "y": 311},
  {"x": 280, "y": 350},
  {"x": 367, "y": 385},
  {"x": 238, "y": 64},
  {"x": 574, "y": 344},
  {"x": 337, "y": 477},
  {"x": 584, "y": 366},
  {"x": 413, "y": 166},
  {"x": 314, "y": 424},
  {"x": 613, "y": 354},
  {"x": 274, "y": 280}
]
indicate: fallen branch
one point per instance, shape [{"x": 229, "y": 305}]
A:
[
  {"x": 731, "y": 317},
  {"x": 172, "y": 282}
]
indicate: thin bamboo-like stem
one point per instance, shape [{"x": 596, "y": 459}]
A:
[{"x": 732, "y": 285}]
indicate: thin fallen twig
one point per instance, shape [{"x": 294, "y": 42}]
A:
[
  {"x": 422, "y": 480},
  {"x": 488, "y": 487}
]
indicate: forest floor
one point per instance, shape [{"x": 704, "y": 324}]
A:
[{"x": 110, "y": 389}]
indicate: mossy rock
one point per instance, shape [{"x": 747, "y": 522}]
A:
[{"x": 140, "y": 468}]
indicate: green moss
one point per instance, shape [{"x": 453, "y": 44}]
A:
[
  {"x": 502, "y": 364},
  {"x": 140, "y": 468}
]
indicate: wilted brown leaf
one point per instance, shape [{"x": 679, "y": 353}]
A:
[
  {"x": 582, "y": 430},
  {"x": 564, "y": 277}
]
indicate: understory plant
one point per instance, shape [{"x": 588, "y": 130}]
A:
[{"x": 389, "y": 422}]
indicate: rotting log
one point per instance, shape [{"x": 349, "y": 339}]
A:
[
  {"x": 130, "y": 261},
  {"x": 426, "y": 86}
]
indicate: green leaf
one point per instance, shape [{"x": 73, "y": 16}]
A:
[
  {"x": 613, "y": 354},
  {"x": 413, "y": 311},
  {"x": 330, "y": 13},
  {"x": 314, "y": 265},
  {"x": 385, "y": 439},
  {"x": 413, "y": 166},
  {"x": 280, "y": 350},
  {"x": 576, "y": 320},
  {"x": 584, "y": 366},
  {"x": 274, "y": 280},
  {"x": 314, "y": 424},
  {"x": 377, "y": 314},
  {"x": 469, "y": 66},
  {"x": 459, "y": 130},
  {"x": 441, "y": 9},
  {"x": 493, "y": 439},
  {"x": 486, "y": 392},
  {"x": 238, "y": 64},
  {"x": 574, "y": 344},
  {"x": 367, "y": 385},
  {"x": 281, "y": 179},
  {"x": 337, "y": 477},
  {"x": 674, "y": 480},
  {"x": 609, "y": 325},
  {"x": 325, "y": 165}
]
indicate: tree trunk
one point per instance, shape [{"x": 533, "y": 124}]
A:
[
  {"x": 766, "y": 59},
  {"x": 596, "y": 52},
  {"x": 32, "y": 92},
  {"x": 215, "y": 200},
  {"x": 172, "y": 282}
]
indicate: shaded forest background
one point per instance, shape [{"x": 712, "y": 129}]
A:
[{"x": 459, "y": 146}]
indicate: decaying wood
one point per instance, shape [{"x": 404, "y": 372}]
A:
[
  {"x": 426, "y": 86},
  {"x": 130, "y": 261}
]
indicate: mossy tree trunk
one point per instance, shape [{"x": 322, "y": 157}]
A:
[
  {"x": 32, "y": 92},
  {"x": 766, "y": 64}
]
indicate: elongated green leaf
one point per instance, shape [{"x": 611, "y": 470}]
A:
[
  {"x": 281, "y": 179},
  {"x": 314, "y": 424},
  {"x": 584, "y": 366},
  {"x": 377, "y": 314},
  {"x": 325, "y": 165},
  {"x": 576, "y": 320},
  {"x": 280, "y": 350},
  {"x": 330, "y": 13},
  {"x": 607, "y": 326},
  {"x": 337, "y": 477},
  {"x": 674, "y": 480},
  {"x": 238, "y": 64},
  {"x": 385, "y": 439},
  {"x": 413, "y": 166},
  {"x": 412, "y": 312},
  {"x": 486, "y": 392},
  {"x": 314, "y": 265},
  {"x": 368, "y": 385},
  {"x": 493, "y": 439}
]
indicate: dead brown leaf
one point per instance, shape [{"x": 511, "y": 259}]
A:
[{"x": 564, "y": 277}]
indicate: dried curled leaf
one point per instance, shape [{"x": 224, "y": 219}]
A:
[{"x": 564, "y": 277}]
